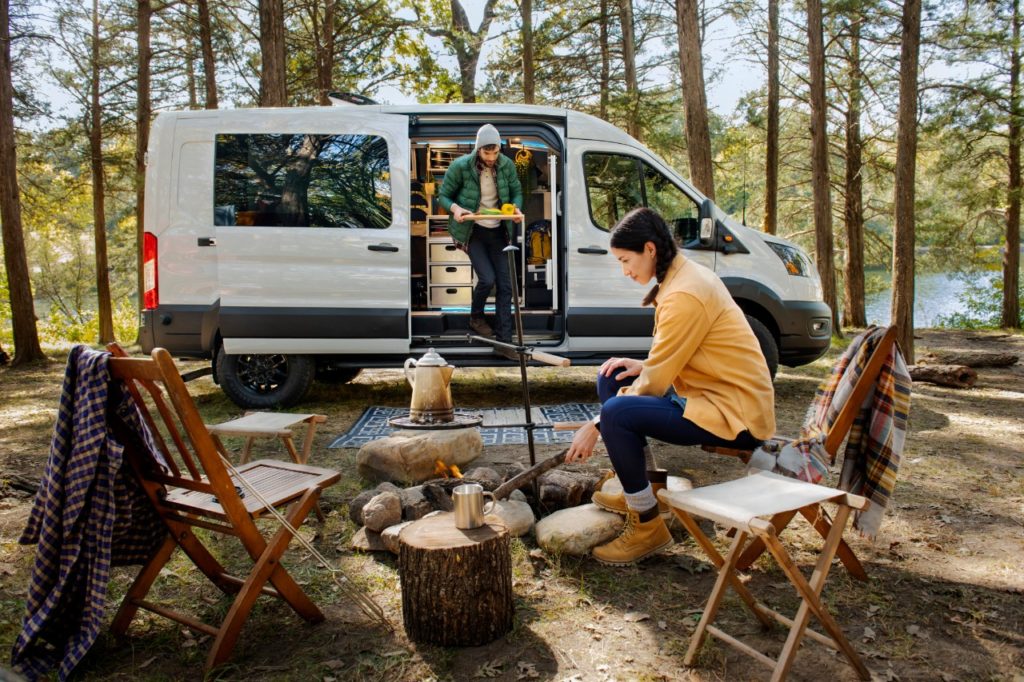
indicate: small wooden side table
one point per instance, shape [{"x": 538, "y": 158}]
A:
[{"x": 270, "y": 425}]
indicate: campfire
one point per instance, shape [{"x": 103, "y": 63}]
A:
[{"x": 442, "y": 470}]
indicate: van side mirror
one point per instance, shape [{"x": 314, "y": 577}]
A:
[{"x": 707, "y": 223}]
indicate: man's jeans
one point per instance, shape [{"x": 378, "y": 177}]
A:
[{"x": 490, "y": 263}]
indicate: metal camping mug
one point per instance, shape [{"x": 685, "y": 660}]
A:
[{"x": 469, "y": 505}]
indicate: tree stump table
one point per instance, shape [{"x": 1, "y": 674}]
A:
[{"x": 456, "y": 584}]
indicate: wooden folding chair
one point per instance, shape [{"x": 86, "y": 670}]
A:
[
  {"x": 193, "y": 488},
  {"x": 834, "y": 437},
  {"x": 740, "y": 505}
]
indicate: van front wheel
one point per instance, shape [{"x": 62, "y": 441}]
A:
[
  {"x": 264, "y": 381},
  {"x": 769, "y": 348}
]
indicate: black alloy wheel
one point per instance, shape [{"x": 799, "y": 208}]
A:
[{"x": 264, "y": 381}]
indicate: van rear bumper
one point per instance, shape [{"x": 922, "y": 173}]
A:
[
  {"x": 179, "y": 329},
  {"x": 805, "y": 332}
]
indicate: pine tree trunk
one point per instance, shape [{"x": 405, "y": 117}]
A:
[
  {"x": 106, "y": 318},
  {"x": 467, "y": 44},
  {"x": 206, "y": 40},
  {"x": 1011, "y": 256},
  {"x": 605, "y": 62},
  {"x": 143, "y": 113},
  {"x": 529, "y": 87},
  {"x": 819, "y": 160},
  {"x": 273, "y": 92},
  {"x": 324, "y": 36},
  {"x": 906, "y": 156},
  {"x": 698, "y": 136},
  {"x": 853, "y": 298},
  {"x": 23, "y": 316},
  {"x": 629, "y": 66},
  {"x": 771, "y": 162}
]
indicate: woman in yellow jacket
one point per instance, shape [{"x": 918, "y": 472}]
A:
[{"x": 704, "y": 381}]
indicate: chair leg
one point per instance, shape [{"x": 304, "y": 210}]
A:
[
  {"x": 820, "y": 521},
  {"x": 725, "y": 572},
  {"x": 756, "y": 547},
  {"x": 810, "y": 592},
  {"x": 140, "y": 587}
]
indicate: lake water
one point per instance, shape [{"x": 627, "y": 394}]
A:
[{"x": 936, "y": 294}]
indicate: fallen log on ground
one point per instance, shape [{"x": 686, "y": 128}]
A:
[
  {"x": 521, "y": 479},
  {"x": 977, "y": 359},
  {"x": 954, "y": 376}
]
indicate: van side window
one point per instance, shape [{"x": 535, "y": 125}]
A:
[
  {"x": 679, "y": 210},
  {"x": 302, "y": 180}
]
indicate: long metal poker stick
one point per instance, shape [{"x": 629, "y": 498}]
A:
[{"x": 511, "y": 251}]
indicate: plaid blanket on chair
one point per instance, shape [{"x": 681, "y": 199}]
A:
[
  {"x": 875, "y": 442},
  {"x": 89, "y": 514}
]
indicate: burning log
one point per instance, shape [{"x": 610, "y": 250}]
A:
[{"x": 456, "y": 584}]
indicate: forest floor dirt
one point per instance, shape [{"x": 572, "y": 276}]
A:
[{"x": 945, "y": 599}]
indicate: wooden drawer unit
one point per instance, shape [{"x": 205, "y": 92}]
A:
[
  {"x": 446, "y": 252},
  {"x": 451, "y": 274},
  {"x": 450, "y": 295}
]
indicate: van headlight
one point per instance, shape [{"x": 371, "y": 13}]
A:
[{"x": 793, "y": 259}]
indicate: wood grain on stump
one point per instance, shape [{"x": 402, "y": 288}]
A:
[{"x": 456, "y": 584}]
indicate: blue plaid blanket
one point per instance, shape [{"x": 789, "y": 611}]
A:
[{"x": 89, "y": 514}]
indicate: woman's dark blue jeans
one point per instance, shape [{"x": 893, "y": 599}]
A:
[{"x": 627, "y": 421}]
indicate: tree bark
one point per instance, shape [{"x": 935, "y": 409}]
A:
[
  {"x": 819, "y": 159},
  {"x": 629, "y": 66},
  {"x": 954, "y": 376},
  {"x": 698, "y": 135},
  {"x": 273, "y": 91},
  {"x": 23, "y": 316},
  {"x": 1011, "y": 256},
  {"x": 106, "y": 318},
  {"x": 771, "y": 161},
  {"x": 143, "y": 112},
  {"x": 206, "y": 41},
  {"x": 324, "y": 46},
  {"x": 853, "y": 211},
  {"x": 456, "y": 584},
  {"x": 605, "y": 62},
  {"x": 467, "y": 44},
  {"x": 529, "y": 88},
  {"x": 906, "y": 155}
]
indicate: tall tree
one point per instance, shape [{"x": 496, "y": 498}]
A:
[
  {"x": 95, "y": 130},
  {"x": 626, "y": 23},
  {"x": 206, "y": 43},
  {"x": 698, "y": 135},
  {"x": 1011, "y": 254},
  {"x": 853, "y": 209},
  {"x": 906, "y": 166},
  {"x": 529, "y": 87},
  {"x": 820, "y": 180},
  {"x": 606, "y": 59},
  {"x": 771, "y": 160},
  {"x": 273, "y": 72},
  {"x": 23, "y": 316},
  {"x": 143, "y": 113}
]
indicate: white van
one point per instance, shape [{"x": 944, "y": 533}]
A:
[{"x": 294, "y": 244}]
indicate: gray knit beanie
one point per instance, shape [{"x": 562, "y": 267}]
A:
[{"x": 486, "y": 136}]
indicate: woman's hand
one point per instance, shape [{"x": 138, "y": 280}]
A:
[
  {"x": 583, "y": 442},
  {"x": 629, "y": 367}
]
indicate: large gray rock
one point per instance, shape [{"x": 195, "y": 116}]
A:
[
  {"x": 516, "y": 516},
  {"x": 390, "y": 536},
  {"x": 411, "y": 456},
  {"x": 385, "y": 509},
  {"x": 355, "y": 507},
  {"x": 415, "y": 504},
  {"x": 486, "y": 476},
  {"x": 367, "y": 541},
  {"x": 577, "y": 530}
]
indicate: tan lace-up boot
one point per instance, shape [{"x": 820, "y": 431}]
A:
[
  {"x": 616, "y": 502},
  {"x": 637, "y": 541}
]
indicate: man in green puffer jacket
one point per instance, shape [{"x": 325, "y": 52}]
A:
[{"x": 484, "y": 179}]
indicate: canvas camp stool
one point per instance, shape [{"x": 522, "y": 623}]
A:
[
  {"x": 740, "y": 505},
  {"x": 269, "y": 425}
]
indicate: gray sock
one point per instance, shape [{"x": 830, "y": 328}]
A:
[{"x": 642, "y": 500}]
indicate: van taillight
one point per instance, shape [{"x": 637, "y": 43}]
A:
[{"x": 150, "y": 289}]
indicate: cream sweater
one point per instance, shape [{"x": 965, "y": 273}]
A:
[{"x": 704, "y": 348}]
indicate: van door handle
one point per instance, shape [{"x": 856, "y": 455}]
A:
[
  {"x": 593, "y": 249},
  {"x": 206, "y": 241},
  {"x": 382, "y": 247}
]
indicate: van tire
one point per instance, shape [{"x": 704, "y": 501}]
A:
[
  {"x": 769, "y": 348},
  {"x": 264, "y": 381}
]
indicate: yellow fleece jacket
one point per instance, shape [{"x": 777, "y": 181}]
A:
[{"x": 704, "y": 348}]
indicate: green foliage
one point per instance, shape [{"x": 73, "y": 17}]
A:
[
  {"x": 982, "y": 298},
  {"x": 56, "y": 330}
]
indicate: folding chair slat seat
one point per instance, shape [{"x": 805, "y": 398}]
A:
[
  {"x": 741, "y": 506},
  {"x": 200, "y": 492}
]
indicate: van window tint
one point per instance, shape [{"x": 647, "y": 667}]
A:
[
  {"x": 617, "y": 183},
  {"x": 302, "y": 180}
]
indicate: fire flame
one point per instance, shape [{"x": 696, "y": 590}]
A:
[{"x": 443, "y": 470}]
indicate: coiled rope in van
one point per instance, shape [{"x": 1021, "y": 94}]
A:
[{"x": 364, "y": 601}]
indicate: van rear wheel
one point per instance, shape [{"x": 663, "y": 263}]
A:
[
  {"x": 264, "y": 381},
  {"x": 766, "y": 340}
]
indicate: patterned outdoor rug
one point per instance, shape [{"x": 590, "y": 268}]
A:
[{"x": 373, "y": 424}]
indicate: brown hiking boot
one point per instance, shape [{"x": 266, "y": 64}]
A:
[
  {"x": 480, "y": 326},
  {"x": 616, "y": 502},
  {"x": 637, "y": 541}
]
